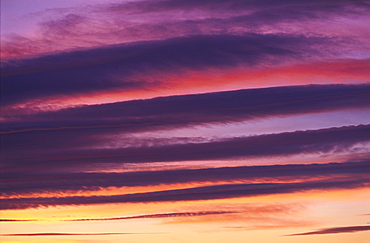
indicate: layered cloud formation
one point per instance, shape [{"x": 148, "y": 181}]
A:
[{"x": 190, "y": 109}]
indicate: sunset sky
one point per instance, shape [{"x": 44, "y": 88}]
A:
[{"x": 185, "y": 121}]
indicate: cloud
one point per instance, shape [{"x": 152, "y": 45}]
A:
[
  {"x": 15, "y": 220},
  {"x": 165, "y": 5},
  {"x": 47, "y": 153},
  {"x": 18, "y": 183},
  {"x": 84, "y": 134},
  {"x": 77, "y": 133},
  {"x": 187, "y": 194},
  {"x": 143, "y": 65},
  {"x": 260, "y": 215},
  {"x": 105, "y": 24},
  {"x": 218, "y": 107},
  {"x": 162, "y": 215},
  {"x": 145, "y": 216},
  {"x": 336, "y": 230},
  {"x": 249, "y": 216}
]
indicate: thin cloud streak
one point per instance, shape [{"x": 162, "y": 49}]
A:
[
  {"x": 146, "y": 216},
  {"x": 15, "y": 220},
  {"x": 162, "y": 215},
  {"x": 336, "y": 230}
]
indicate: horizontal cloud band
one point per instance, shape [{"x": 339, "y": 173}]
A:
[
  {"x": 31, "y": 182},
  {"x": 185, "y": 110},
  {"x": 189, "y": 194},
  {"x": 123, "y": 66},
  {"x": 289, "y": 143}
]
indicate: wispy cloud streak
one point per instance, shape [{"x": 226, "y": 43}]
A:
[
  {"x": 336, "y": 230},
  {"x": 145, "y": 216},
  {"x": 15, "y": 220},
  {"x": 162, "y": 215}
]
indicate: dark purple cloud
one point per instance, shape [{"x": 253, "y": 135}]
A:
[
  {"x": 135, "y": 66},
  {"x": 36, "y": 152},
  {"x": 336, "y": 230},
  {"x": 254, "y": 13},
  {"x": 16, "y": 183},
  {"x": 53, "y": 139},
  {"x": 207, "y": 17},
  {"x": 165, "y": 5},
  {"x": 188, "y": 194},
  {"x": 47, "y": 135},
  {"x": 174, "y": 111},
  {"x": 118, "y": 23}
]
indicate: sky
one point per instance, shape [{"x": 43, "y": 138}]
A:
[{"x": 185, "y": 121}]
